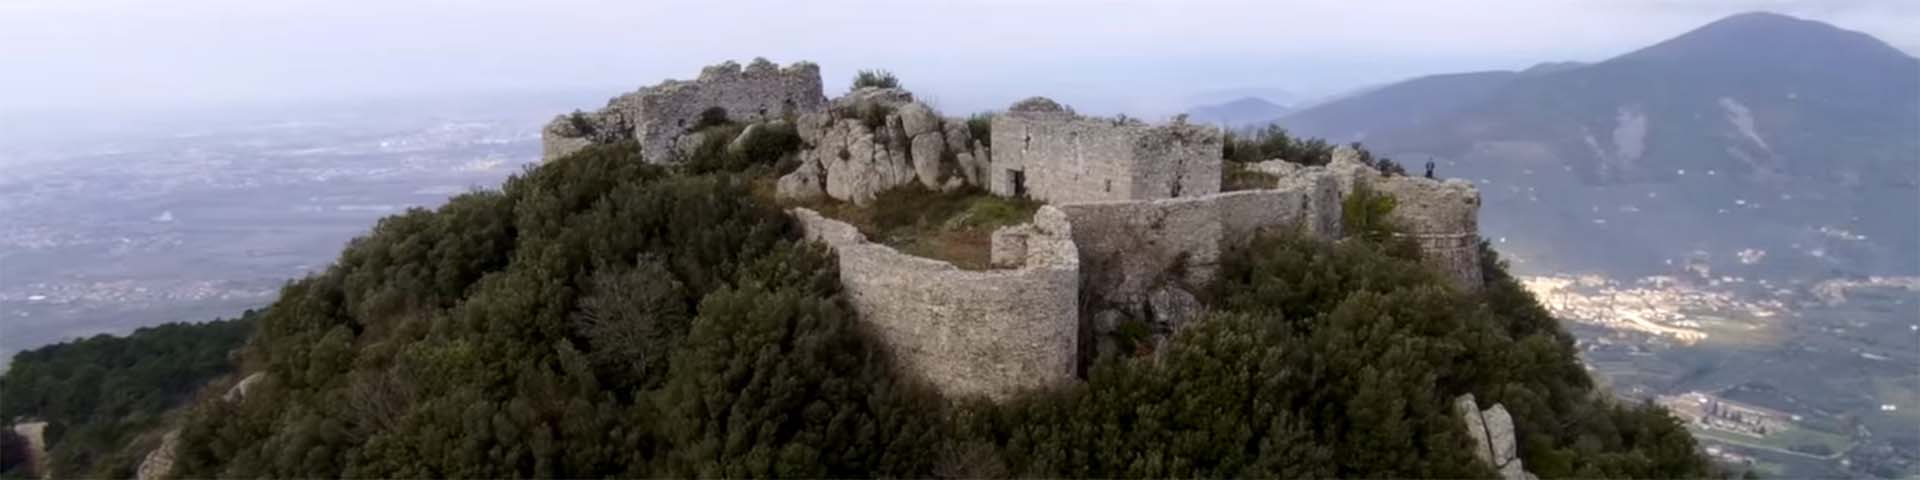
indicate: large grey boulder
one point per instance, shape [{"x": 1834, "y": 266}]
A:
[
  {"x": 969, "y": 156},
  {"x": 928, "y": 150},
  {"x": 1493, "y": 437},
  {"x": 1172, "y": 307},
  {"x": 857, "y": 168},
  {"x": 561, "y": 137},
  {"x": 812, "y": 125},
  {"x": 805, "y": 184},
  {"x": 739, "y": 143},
  {"x": 918, "y": 119},
  {"x": 159, "y": 462}
]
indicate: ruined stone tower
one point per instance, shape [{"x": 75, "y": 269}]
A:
[
  {"x": 659, "y": 115},
  {"x": 1047, "y": 152}
]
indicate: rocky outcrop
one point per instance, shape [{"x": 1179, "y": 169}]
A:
[
  {"x": 876, "y": 139},
  {"x": 159, "y": 462},
  {"x": 35, "y": 433},
  {"x": 1493, "y": 437}
]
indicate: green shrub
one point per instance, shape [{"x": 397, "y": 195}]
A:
[
  {"x": 876, "y": 79},
  {"x": 712, "y": 117},
  {"x": 980, "y": 127},
  {"x": 1236, "y": 176},
  {"x": 1273, "y": 142},
  {"x": 874, "y": 116},
  {"x": 716, "y": 151},
  {"x": 99, "y": 394}
]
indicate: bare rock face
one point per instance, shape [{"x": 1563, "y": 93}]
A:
[
  {"x": 857, "y": 167},
  {"x": 739, "y": 143},
  {"x": 1172, "y": 307},
  {"x": 918, "y": 119},
  {"x": 35, "y": 434},
  {"x": 159, "y": 462},
  {"x": 1493, "y": 437},
  {"x": 806, "y": 183},
  {"x": 927, "y": 152},
  {"x": 854, "y": 159},
  {"x": 563, "y": 136}
]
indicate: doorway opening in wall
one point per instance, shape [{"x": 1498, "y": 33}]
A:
[{"x": 1019, "y": 180}]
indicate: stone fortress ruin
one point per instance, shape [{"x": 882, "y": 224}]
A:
[
  {"x": 1134, "y": 221},
  {"x": 658, "y": 116}
]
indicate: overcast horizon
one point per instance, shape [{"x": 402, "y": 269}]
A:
[{"x": 1149, "y": 58}]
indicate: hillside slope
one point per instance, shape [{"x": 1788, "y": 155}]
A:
[{"x": 598, "y": 316}]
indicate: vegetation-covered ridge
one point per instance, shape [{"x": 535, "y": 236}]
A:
[
  {"x": 600, "y": 316},
  {"x": 105, "y": 398}
]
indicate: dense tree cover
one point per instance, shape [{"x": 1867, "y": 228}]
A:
[
  {"x": 1272, "y": 142},
  {"x": 98, "y": 394},
  {"x": 1333, "y": 359},
  {"x": 599, "y": 316}
]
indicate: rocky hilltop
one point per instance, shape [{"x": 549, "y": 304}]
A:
[
  {"x": 1133, "y": 227},
  {"x": 703, "y": 282}
]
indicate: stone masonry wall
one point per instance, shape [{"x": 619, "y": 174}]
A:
[
  {"x": 1129, "y": 248},
  {"x": 1443, "y": 216},
  {"x": 1046, "y": 152},
  {"x": 991, "y": 332},
  {"x": 657, "y": 116}
]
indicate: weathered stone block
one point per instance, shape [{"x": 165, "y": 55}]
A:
[{"x": 1048, "y": 153}]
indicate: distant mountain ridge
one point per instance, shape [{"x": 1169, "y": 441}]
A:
[
  {"x": 1243, "y": 111},
  {"x": 1758, "y": 94}
]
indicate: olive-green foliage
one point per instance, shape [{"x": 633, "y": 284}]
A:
[
  {"x": 1365, "y": 214},
  {"x": 98, "y": 394},
  {"x": 598, "y": 316},
  {"x": 980, "y": 127},
  {"x": 1272, "y": 142},
  {"x": 1236, "y": 176},
  {"x": 717, "y": 151},
  {"x": 602, "y": 317},
  {"x": 711, "y": 117},
  {"x": 1329, "y": 360},
  {"x": 876, "y": 79}
]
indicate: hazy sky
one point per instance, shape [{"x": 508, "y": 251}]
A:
[{"x": 1144, "y": 56}]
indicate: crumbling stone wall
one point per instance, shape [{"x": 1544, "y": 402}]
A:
[
  {"x": 1047, "y": 152},
  {"x": 993, "y": 332},
  {"x": 657, "y": 116},
  {"x": 1442, "y": 216},
  {"x": 1127, "y": 249}
]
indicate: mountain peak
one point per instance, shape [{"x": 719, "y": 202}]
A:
[{"x": 1771, "y": 37}]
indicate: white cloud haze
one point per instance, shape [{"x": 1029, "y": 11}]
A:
[{"x": 1136, "y": 55}]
